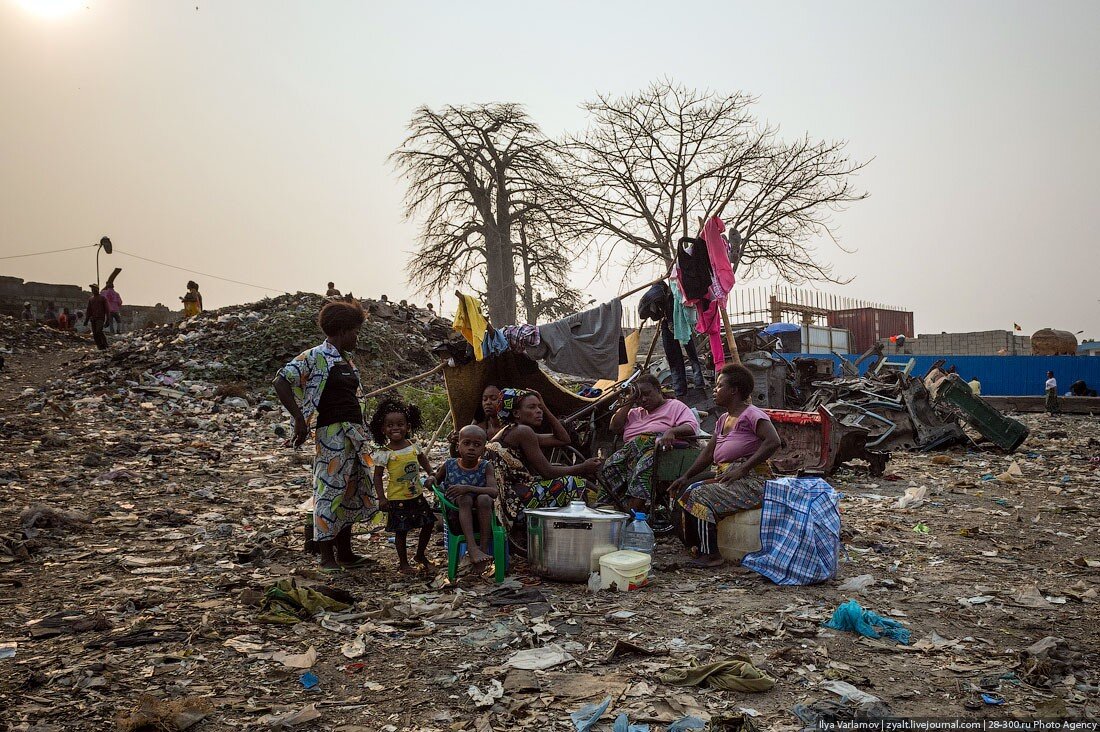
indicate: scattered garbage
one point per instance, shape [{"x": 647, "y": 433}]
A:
[
  {"x": 175, "y": 715},
  {"x": 736, "y": 674},
  {"x": 175, "y": 509},
  {"x": 853, "y": 618}
]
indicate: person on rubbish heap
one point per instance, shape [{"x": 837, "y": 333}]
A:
[
  {"x": 332, "y": 291},
  {"x": 96, "y": 314},
  {"x": 1052, "y": 393},
  {"x": 324, "y": 381},
  {"x": 65, "y": 320},
  {"x": 114, "y": 305},
  {"x": 192, "y": 301},
  {"x": 744, "y": 438},
  {"x": 648, "y": 422},
  {"x": 27, "y": 313},
  {"x": 401, "y": 494},
  {"x": 468, "y": 482},
  {"x": 49, "y": 318}
]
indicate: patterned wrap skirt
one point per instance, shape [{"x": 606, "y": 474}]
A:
[
  {"x": 340, "y": 479},
  {"x": 629, "y": 471}
]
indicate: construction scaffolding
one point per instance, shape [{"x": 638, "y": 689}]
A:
[{"x": 784, "y": 303}]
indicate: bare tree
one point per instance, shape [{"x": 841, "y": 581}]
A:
[
  {"x": 652, "y": 165},
  {"x": 474, "y": 173}
]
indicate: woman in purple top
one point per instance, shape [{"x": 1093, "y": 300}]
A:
[
  {"x": 744, "y": 438},
  {"x": 648, "y": 422}
]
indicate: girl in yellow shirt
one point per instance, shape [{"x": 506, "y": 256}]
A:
[{"x": 399, "y": 470}]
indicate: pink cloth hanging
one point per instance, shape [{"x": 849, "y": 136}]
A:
[
  {"x": 718, "y": 252},
  {"x": 710, "y": 322}
]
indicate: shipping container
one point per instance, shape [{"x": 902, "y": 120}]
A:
[{"x": 869, "y": 325}]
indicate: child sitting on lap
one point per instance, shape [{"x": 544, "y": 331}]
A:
[{"x": 469, "y": 483}]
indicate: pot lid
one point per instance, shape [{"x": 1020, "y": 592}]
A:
[{"x": 578, "y": 510}]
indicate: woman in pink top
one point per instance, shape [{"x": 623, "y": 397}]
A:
[
  {"x": 744, "y": 438},
  {"x": 648, "y": 422}
]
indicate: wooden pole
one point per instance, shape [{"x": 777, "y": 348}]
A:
[
  {"x": 409, "y": 380},
  {"x": 735, "y": 357},
  {"x": 652, "y": 343}
]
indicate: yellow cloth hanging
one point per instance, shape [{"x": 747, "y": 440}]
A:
[{"x": 471, "y": 323}]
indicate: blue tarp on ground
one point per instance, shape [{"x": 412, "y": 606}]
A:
[{"x": 1000, "y": 375}]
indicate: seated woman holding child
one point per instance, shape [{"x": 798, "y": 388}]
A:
[
  {"x": 744, "y": 439},
  {"x": 648, "y": 422}
]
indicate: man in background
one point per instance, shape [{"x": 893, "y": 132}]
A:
[
  {"x": 114, "y": 307},
  {"x": 27, "y": 313},
  {"x": 96, "y": 314}
]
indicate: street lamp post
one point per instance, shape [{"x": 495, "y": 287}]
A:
[{"x": 104, "y": 245}]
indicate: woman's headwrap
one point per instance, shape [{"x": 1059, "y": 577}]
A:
[{"x": 509, "y": 400}]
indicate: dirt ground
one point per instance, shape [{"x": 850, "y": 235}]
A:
[{"x": 184, "y": 510}]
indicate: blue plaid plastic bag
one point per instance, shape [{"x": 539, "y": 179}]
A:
[{"x": 799, "y": 532}]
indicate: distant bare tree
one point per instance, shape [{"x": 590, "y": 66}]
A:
[
  {"x": 653, "y": 164},
  {"x": 475, "y": 173}
]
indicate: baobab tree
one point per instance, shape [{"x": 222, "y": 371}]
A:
[
  {"x": 475, "y": 174},
  {"x": 652, "y": 165}
]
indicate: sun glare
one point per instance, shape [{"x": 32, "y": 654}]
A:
[{"x": 50, "y": 9}]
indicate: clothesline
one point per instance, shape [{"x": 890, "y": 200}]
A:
[{"x": 409, "y": 380}]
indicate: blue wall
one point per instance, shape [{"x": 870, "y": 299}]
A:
[{"x": 1002, "y": 375}]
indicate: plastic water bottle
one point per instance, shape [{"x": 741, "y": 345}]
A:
[{"x": 637, "y": 536}]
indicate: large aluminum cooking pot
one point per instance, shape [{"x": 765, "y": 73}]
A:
[{"x": 566, "y": 543}]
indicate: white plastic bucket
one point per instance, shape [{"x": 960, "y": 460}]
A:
[{"x": 625, "y": 570}]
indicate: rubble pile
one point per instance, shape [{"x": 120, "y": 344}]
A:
[
  {"x": 22, "y": 336},
  {"x": 248, "y": 343},
  {"x": 151, "y": 537}
]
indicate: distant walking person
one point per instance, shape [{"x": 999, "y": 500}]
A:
[
  {"x": 27, "y": 313},
  {"x": 192, "y": 301},
  {"x": 1052, "y": 393},
  {"x": 114, "y": 306},
  {"x": 96, "y": 314},
  {"x": 332, "y": 291},
  {"x": 50, "y": 318}
]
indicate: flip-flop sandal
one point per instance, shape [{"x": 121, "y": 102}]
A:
[
  {"x": 360, "y": 562},
  {"x": 330, "y": 570}
]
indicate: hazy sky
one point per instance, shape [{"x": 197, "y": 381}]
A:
[{"x": 249, "y": 139}]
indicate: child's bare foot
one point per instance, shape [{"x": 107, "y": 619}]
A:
[{"x": 405, "y": 569}]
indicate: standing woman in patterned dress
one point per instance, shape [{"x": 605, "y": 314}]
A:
[{"x": 325, "y": 382}]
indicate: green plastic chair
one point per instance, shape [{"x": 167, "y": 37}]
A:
[{"x": 456, "y": 540}]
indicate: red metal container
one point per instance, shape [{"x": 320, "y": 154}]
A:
[{"x": 869, "y": 325}]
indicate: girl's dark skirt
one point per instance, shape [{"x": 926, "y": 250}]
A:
[{"x": 405, "y": 516}]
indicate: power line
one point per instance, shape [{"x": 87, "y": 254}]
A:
[
  {"x": 52, "y": 251},
  {"x": 201, "y": 274}
]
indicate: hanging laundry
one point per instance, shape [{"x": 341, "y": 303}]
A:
[
  {"x": 471, "y": 323},
  {"x": 693, "y": 260},
  {"x": 584, "y": 344},
  {"x": 494, "y": 343},
  {"x": 521, "y": 337},
  {"x": 710, "y": 323},
  {"x": 684, "y": 317},
  {"x": 717, "y": 249}
]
